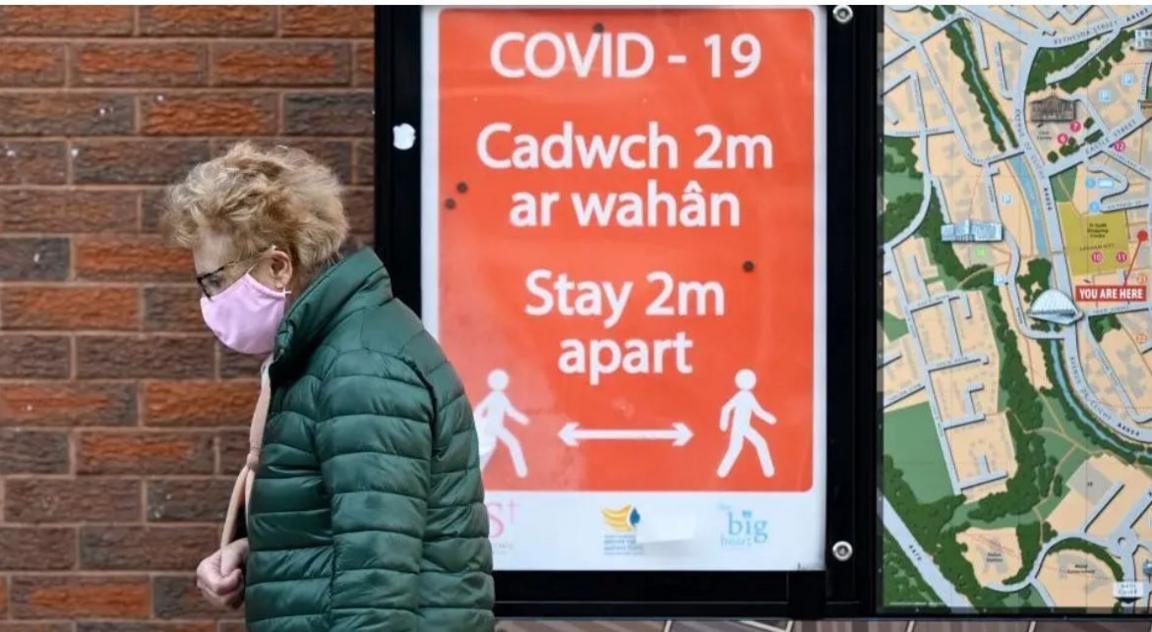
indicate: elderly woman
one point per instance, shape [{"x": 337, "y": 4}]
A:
[{"x": 362, "y": 503}]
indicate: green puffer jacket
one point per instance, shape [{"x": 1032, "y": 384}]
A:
[{"x": 367, "y": 511}]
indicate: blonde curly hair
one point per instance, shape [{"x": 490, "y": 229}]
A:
[{"x": 260, "y": 198}]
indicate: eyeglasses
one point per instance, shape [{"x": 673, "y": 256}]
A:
[{"x": 212, "y": 283}]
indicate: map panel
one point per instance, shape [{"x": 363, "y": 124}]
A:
[{"x": 1016, "y": 326}]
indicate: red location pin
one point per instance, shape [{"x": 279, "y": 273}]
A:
[
  {"x": 1062, "y": 139},
  {"x": 1074, "y": 126},
  {"x": 1141, "y": 237}
]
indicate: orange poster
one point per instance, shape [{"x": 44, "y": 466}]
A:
[{"x": 625, "y": 231}]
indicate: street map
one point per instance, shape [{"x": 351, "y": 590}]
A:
[{"x": 1016, "y": 332}]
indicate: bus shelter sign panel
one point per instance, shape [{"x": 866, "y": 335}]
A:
[{"x": 623, "y": 221}]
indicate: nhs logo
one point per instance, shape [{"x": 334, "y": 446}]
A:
[{"x": 743, "y": 529}]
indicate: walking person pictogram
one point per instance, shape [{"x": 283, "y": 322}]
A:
[
  {"x": 738, "y": 413},
  {"x": 490, "y": 429}
]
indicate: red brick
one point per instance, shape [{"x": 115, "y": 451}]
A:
[
  {"x": 33, "y": 452},
  {"x": 34, "y": 357},
  {"x": 37, "y": 548},
  {"x": 176, "y": 597},
  {"x": 66, "y": 114},
  {"x": 209, "y": 21},
  {"x": 54, "y": 211},
  {"x": 365, "y": 64},
  {"x": 230, "y": 626},
  {"x": 135, "y": 161},
  {"x": 87, "y": 308},
  {"x": 173, "y": 308},
  {"x": 329, "y": 113},
  {"x": 215, "y": 114},
  {"x": 144, "y": 357},
  {"x": 131, "y": 258},
  {"x": 66, "y": 20},
  {"x": 153, "y": 626},
  {"x": 365, "y": 163},
  {"x": 3, "y": 597},
  {"x": 234, "y": 364},
  {"x": 35, "y": 626},
  {"x": 283, "y": 64},
  {"x": 197, "y": 403},
  {"x": 189, "y": 500},
  {"x": 104, "y": 597},
  {"x": 72, "y": 500},
  {"x": 33, "y": 162},
  {"x": 31, "y": 64},
  {"x": 67, "y": 404},
  {"x": 137, "y": 64},
  {"x": 152, "y": 204},
  {"x": 233, "y": 446},
  {"x": 327, "y": 21},
  {"x": 359, "y": 206},
  {"x": 33, "y": 259},
  {"x": 144, "y": 453},
  {"x": 107, "y": 548}
]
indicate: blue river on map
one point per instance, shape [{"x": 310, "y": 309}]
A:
[{"x": 1024, "y": 176}]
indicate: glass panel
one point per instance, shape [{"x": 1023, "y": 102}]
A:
[
  {"x": 1015, "y": 326},
  {"x": 623, "y": 226}
]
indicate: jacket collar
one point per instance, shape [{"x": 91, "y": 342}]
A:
[{"x": 356, "y": 282}]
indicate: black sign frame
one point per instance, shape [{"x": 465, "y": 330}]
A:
[{"x": 845, "y": 588}]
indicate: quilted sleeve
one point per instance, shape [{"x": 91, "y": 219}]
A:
[
  {"x": 374, "y": 442},
  {"x": 457, "y": 577}
]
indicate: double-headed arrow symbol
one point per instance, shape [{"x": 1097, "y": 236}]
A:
[{"x": 572, "y": 435}]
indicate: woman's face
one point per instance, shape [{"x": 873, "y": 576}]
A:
[{"x": 218, "y": 265}]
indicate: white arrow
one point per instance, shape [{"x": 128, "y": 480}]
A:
[{"x": 571, "y": 434}]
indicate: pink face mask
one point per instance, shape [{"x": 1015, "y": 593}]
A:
[{"x": 245, "y": 316}]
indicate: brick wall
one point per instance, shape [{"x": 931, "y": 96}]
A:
[{"x": 122, "y": 423}]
